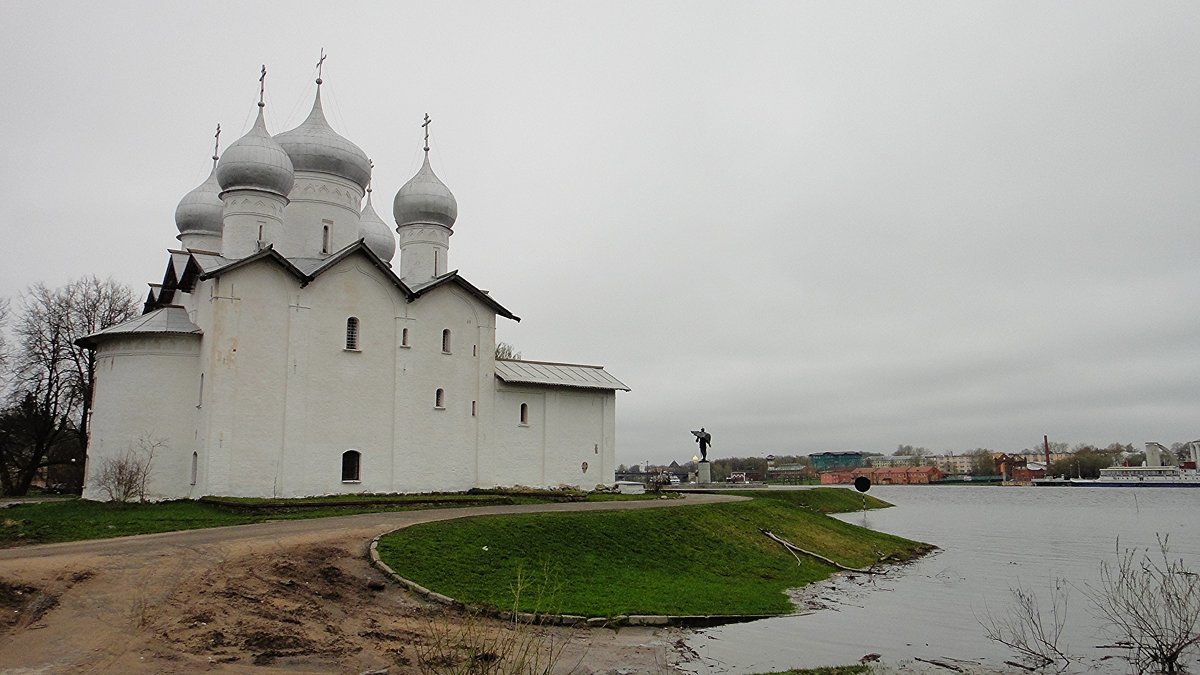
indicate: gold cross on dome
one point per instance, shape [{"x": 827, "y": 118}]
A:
[
  {"x": 320, "y": 65},
  {"x": 425, "y": 124}
]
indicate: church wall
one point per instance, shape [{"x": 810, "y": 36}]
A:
[
  {"x": 439, "y": 449},
  {"x": 565, "y": 428},
  {"x": 580, "y": 428},
  {"x": 247, "y": 359},
  {"x": 147, "y": 387},
  {"x": 315, "y": 199},
  {"x": 340, "y": 399},
  {"x": 517, "y": 456}
]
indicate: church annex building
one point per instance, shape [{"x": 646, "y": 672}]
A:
[{"x": 284, "y": 356}]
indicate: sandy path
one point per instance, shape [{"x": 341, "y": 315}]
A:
[{"x": 286, "y": 596}]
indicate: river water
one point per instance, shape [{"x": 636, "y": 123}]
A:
[{"x": 992, "y": 539}]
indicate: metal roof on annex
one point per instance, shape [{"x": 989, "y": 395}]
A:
[
  {"x": 169, "y": 320},
  {"x": 557, "y": 374}
]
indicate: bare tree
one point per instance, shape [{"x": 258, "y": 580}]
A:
[
  {"x": 507, "y": 352},
  {"x": 1151, "y": 605},
  {"x": 3, "y": 341},
  {"x": 125, "y": 478},
  {"x": 1031, "y": 631},
  {"x": 52, "y": 377}
]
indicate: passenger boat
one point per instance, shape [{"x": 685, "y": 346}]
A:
[
  {"x": 1142, "y": 476},
  {"x": 1151, "y": 474}
]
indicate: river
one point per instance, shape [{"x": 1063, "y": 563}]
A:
[{"x": 992, "y": 539}]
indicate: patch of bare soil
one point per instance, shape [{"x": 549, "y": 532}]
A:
[{"x": 307, "y": 607}]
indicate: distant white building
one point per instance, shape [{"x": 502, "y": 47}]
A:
[{"x": 282, "y": 355}]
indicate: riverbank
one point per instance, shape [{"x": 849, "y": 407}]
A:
[{"x": 688, "y": 561}]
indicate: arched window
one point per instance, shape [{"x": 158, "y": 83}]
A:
[
  {"x": 327, "y": 236},
  {"x": 524, "y": 413},
  {"x": 404, "y": 337},
  {"x": 352, "y": 333},
  {"x": 351, "y": 462},
  {"x": 446, "y": 341},
  {"x": 439, "y": 398},
  {"x": 195, "y": 466}
]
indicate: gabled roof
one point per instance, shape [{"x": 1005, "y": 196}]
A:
[
  {"x": 320, "y": 265},
  {"x": 186, "y": 266},
  {"x": 454, "y": 278},
  {"x": 267, "y": 253},
  {"x": 169, "y": 320},
  {"x": 557, "y": 374}
]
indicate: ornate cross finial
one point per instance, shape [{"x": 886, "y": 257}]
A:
[
  {"x": 262, "y": 86},
  {"x": 320, "y": 66},
  {"x": 371, "y": 176},
  {"x": 426, "y": 125},
  {"x": 216, "y": 144}
]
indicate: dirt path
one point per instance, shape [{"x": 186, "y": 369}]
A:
[{"x": 286, "y": 596}]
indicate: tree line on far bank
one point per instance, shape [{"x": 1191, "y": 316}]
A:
[
  {"x": 1082, "y": 460},
  {"x": 46, "y": 379}
]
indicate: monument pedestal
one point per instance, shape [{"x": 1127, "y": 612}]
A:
[{"x": 704, "y": 473}]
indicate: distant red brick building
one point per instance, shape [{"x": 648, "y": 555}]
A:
[{"x": 889, "y": 475}]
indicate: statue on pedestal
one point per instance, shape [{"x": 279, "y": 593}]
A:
[{"x": 704, "y": 439}]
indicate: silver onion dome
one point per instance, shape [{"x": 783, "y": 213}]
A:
[
  {"x": 256, "y": 162},
  {"x": 315, "y": 146},
  {"x": 425, "y": 199},
  {"x": 375, "y": 233},
  {"x": 201, "y": 211}
]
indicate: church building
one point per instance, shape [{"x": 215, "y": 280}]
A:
[{"x": 284, "y": 356}]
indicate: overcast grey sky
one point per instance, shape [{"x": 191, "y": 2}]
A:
[{"x": 806, "y": 226}]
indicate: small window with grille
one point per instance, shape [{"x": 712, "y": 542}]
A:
[{"x": 352, "y": 334}]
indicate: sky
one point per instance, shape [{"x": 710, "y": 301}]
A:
[{"x": 806, "y": 226}]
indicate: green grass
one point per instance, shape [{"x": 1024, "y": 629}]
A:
[
  {"x": 705, "y": 559},
  {"x": 76, "y": 519},
  {"x": 824, "y": 500}
]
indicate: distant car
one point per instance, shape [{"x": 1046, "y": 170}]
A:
[{"x": 675, "y": 480}]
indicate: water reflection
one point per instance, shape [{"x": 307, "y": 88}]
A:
[{"x": 992, "y": 539}]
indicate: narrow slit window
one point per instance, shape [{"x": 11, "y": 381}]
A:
[
  {"x": 326, "y": 237},
  {"x": 351, "y": 464},
  {"x": 195, "y": 466},
  {"x": 352, "y": 333},
  {"x": 404, "y": 337},
  {"x": 446, "y": 341},
  {"x": 200, "y": 396},
  {"x": 524, "y": 413},
  {"x": 439, "y": 398},
  {"x": 473, "y": 408}
]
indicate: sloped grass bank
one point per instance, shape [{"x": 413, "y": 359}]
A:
[{"x": 687, "y": 560}]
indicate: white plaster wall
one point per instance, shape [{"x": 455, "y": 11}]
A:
[
  {"x": 579, "y": 428},
  {"x": 246, "y": 356},
  {"x": 424, "y": 252},
  {"x": 245, "y": 211},
  {"x": 315, "y": 198},
  {"x": 518, "y": 453},
  {"x": 566, "y": 428},
  {"x": 437, "y": 449},
  {"x": 337, "y": 399},
  {"x": 147, "y": 386}
]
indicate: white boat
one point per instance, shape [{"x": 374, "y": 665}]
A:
[{"x": 1151, "y": 474}]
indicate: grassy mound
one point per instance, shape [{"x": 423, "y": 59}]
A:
[{"x": 708, "y": 559}]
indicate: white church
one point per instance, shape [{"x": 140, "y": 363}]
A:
[{"x": 284, "y": 356}]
